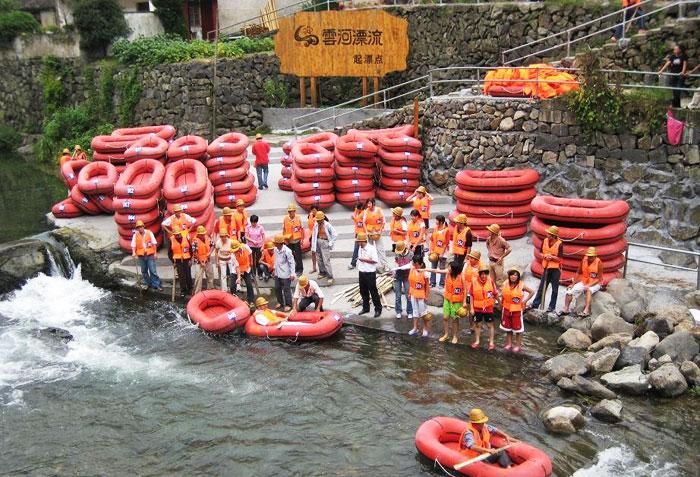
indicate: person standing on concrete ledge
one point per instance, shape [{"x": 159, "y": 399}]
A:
[
  {"x": 284, "y": 274},
  {"x": 367, "y": 267},
  {"x": 179, "y": 220},
  {"x": 552, "y": 256},
  {"x": 240, "y": 220},
  {"x": 403, "y": 258},
  {"x": 374, "y": 226},
  {"x": 180, "y": 247},
  {"x": 293, "y": 233},
  {"x": 201, "y": 252},
  {"x": 358, "y": 217},
  {"x": 498, "y": 248},
  {"x": 439, "y": 240},
  {"x": 398, "y": 228},
  {"x": 261, "y": 151},
  {"x": 461, "y": 239},
  {"x": 225, "y": 223},
  {"x": 322, "y": 240},
  {"x": 307, "y": 292},
  {"x": 143, "y": 248},
  {"x": 226, "y": 262}
]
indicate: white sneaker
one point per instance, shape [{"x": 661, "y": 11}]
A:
[
  {"x": 413, "y": 332},
  {"x": 398, "y": 316},
  {"x": 425, "y": 333},
  {"x": 410, "y": 317}
]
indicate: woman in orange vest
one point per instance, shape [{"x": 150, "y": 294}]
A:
[
  {"x": 225, "y": 223},
  {"x": 398, "y": 229},
  {"x": 483, "y": 293},
  {"x": 240, "y": 219},
  {"x": 552, "y": 256},
  {"x": 179, "y": 220},
  {"x": 476, "y": 440},
  {"x": 588, "y": 281},
  {"x": 470, "y": 271},
  {"x": 461, "y": 239},
  {"x": 267, "y": 261},
  {"x": 78, "y": 153},
  {"x": 418, "y": 291},
  {"x": 310, "y": 222},
  {"x": 439, "y": 242},
  {"x": 512, "y": 301},
  {"x": 454, "y": 305},
  {"x": 65, "y": 157},
  {"x": 293, "y": 233},
  {"x": 201, "y": 252},
  {"x": 358, "y": 221},
  {"x": 143, "y": 248},
  {"x": 422, "y": 202},
  {"x": 244, "y": 256},
  {"x": 180, "y": 248},
  {"x": 416, "y": 234}
]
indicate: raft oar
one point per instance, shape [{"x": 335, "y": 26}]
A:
[{"x": 462, "y": 465}]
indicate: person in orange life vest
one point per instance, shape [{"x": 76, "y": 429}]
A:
[
  {"x": 404, "y": 259},
  {"x": 461, "y": 239},
  {"x": 476, "y": 440},
  {"x": 416, "y": 234},
  {"x": 454, "y": 305},
  {"x": 552, "y": 256},
  {"x": 588, "y": 281},
  {"x": 310, "y": 222},
  {"x": 398, "y": 229},
  {"x": 513, "y": 300},
  {"x": 261, "y": 151},
  {"x": 293, "y": 233},
  {"x": 202, "y": 263},
  {"x": 225, "y": 260},
  {"x": 374, "y": 227},
  {"x": 439, "y": 243},
  {"x": 483, "y": 293},
  {"x": 422, "y": 202},
  {"x": 143, "y": 248},
  {"x": 266, "y": 317},
  {"x": 78, "y": 153},
  {"x": 358, "y": 221},
  {"x": 181, "y": 253},
  {"x": 498, "y": 248},
  {"x": 470, "y": 270},
  {"x": 244, "y": 257},
  {"x": 226, "y": 223},
  {"x": 418, "y": 292},
  {"x": 65, "y": 157},
  {"x": 266, "y": 265},
  {"x": 179, "y": 220},
  {"x": 240, "y": 219}
]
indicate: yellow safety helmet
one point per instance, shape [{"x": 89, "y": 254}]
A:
[
  {"x": 461, "y": 219},
  {"x": 227, "y": 211},
  {"x": 269, "y": 245},
  {"x": 421, "y": 189},
  {"x": 139, "y": 223},
  {"x": 553, "y": 230},
  {"x": 397, "y": 211},
  {"x": 260, "y": 301},
  {"x": 475, "y": 254},
  {"x": 320, "y": 216},
  {"x": 239, "y": 203},
  {"x": 494, "y": 228},
  {"x": 462, "y": 312},
  {"x": 235, "y": 245},
  {"x": 361, "y": 237},
  {"x": 201, "y": 230},
  {"x": 303, "y": 280},
  {"x": 484, "y": 268},
  {"x": 177, "y": 208},
  {"x": 66, "y": 150},
  {"x": 477, "y": 416},
  {"x": 591, "y": 252},
  {"x": 433, "y": 257},
  {"x": 291, "y": 207},
  {"x": 279, "y": 239},
  {"x": 400, "y": 246}
]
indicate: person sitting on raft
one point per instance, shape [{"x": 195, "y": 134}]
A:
[
  {"x": 476, "y": 439},
  {"x": 266, "y": 317}
]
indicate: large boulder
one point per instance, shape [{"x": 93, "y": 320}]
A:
[
  {"x": 601, "y": 302},
  {"x": 608, "y": 410},
  {"x": 627, "y": 298},
  {"x": 541, "y": 317},
  {"x": 609, "y": 323},
  {"x": 617, "y": 340},
  {"x": 577, "y": 323},
  {"x": 564, "y": 365},
  {"x": 563, "y": 419},
  {"x": 603, "y": 361},
  {"x": 679, "y": 346},
  {"x": 629, "y": 380},
  {"x": 668, "y": 381},
  {"x": 691, "y": 372},
  {"x": 660, "y": 325},
  {"x": 676, "y": 313},
  {"x": 632, "y": 355},
  {"x": 648, "y": 341},
  {"x": 21, "y": 260},
  {"x": 581, "y": 385},
  {"x": 574, "y": 339},
  {"x": 692, "y": 299}
]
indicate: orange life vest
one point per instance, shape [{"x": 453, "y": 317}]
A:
[
  {"x": 357, "y": 219},
  {"x": 416, "y": 232},
  {"x": 268, "y": 258},
  {"x": 293, "y": 228},
  {"x": 397, "y": 229},
  {"x": 481, "y": 439},
  {"x": 203, "y": 248},
  {"x": 243, "y": 259},
  {"x": 141, "y": 246},
  {"x": 454, "y": 288},
  {"x": 310, "y": 221},
  {"x": 470, "y": 271},
  {"x": 229, "y": 227},
  {"x": 181, "y": 250},
  {"x": 550, "y": 249},
  {"x": 417, "y": 284},
  {"x": 422, "y": 206},
  {"x": 483, "y": 294},
  {"x": 63, "y": 159},
  {"x": 459, "y": 241},
  {"x": 438, "y": 240},
  {"x": 629, "y": 3},
  {"x": 81, "y": 156},
  {"x": 513, "y": 296},
  {"x": 181, "y": 223},
  {"x": 374, "y": 220},
  {"x": 590, "y": 271},
  {"x": 240, "y": 219}
]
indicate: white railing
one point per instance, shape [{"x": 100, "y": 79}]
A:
[{"x": 690, "y": 253}]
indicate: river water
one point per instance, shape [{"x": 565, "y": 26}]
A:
[{"x": 141, "y": 391}]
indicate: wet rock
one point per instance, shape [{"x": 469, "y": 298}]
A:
[
  {"x": 21, "y": 260},
  {"x": 602, "y": 302},
  {"x": 506, "y": 124},
  {"x": 603, "y": 361},
  {"x": 616, "y": 340},
  {"x": 648, "y": 341},
  {"x": 627, "y": 298},
  {"x": 659, "y": 325},
  {"x": 629, "y": 380},
  {"x": 607, "y": 324},
  {"x": 679, "y": 346},
  {"x": 564, "y": 365},
  {"x": 574, "y": 339},
  {"x": 692, "y": 299},
  {"x": 668, "y": 381},
  {"x": 632, "y": 355},
  {"x": 608, "y": 410},
  {"x": 581, "y": 385},
  {"x": 563, "y": 420},
  {"x": 576, "y": 323},
  {"x": 53, "y": 334},
  {"x": 675, "y": 313},
  {"x": 541, "y": 317},
  {"x": 691, "y": 372}
]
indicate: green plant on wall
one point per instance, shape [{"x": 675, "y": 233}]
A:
[
  {"x": 106, "y": 97},
  {"x": 276, "y": 93},
  {"x": 53, "y": 76},
  {"x": 14, "y": 22},
  {"x": 130, "y": 91},
  {"x": 169, "y": 13}
]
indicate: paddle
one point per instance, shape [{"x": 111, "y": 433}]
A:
[
  {"x": 462, "y": 465},
  {"x": 545, "y": 277}
]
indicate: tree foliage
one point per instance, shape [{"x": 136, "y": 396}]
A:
[
  {"x": 170, "y": 14},
  {"x": 99, "y": 23}
]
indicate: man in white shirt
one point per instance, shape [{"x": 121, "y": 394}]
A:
[
  {"x": 307, "y": 292},
  {"x": 179, "y": 219},
  {"x": 367, "y": 261},
  {"x": 284, "y": 274}
]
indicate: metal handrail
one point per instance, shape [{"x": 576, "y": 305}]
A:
[{"x": 666, "y": 265}]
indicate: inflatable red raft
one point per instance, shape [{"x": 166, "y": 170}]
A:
[
  {"x": 438, "y": 440},
  {"x": 305, "y": 325},
  {"x": 217, "y": 311}
]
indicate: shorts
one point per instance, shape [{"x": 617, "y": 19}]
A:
[
  {"x": 419, "y": 306},
  {"x": 449, "y": 309},
  {"x": 485, "y": 316},
  {"x": 512, "y": 321},
  {"x": 577, "y": 289}
]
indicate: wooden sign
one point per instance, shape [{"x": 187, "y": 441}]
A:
[{"x": 363, "y": 43}]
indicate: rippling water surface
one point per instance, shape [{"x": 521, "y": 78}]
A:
[{"x": 140, "y": 391}]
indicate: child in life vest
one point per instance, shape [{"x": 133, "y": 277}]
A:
[
  {"x": 418, "y": 290},
  {"x": 513, "y": 301},
  {"x": 266, "y": 317},
  {"x": 454, "y": 305},
  {"x": 483, "y": 293}
]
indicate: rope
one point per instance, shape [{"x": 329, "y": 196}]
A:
[
  {"x": 572, "y": 239},
  {"x": 437, "y": 463},
  {"x": 577, "y": 251},
  {"x": 507, "y": 214}
]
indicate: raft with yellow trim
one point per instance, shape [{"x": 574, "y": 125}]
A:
[{"x": 304, "y": 325}]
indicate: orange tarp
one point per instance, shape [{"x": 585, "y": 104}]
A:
[{"x": 538, "y": 80}]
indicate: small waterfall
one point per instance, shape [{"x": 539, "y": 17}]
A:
[{"x": 60, "y": 262}]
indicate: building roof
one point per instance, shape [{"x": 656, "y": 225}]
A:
[{"x": 36, "y": 5}]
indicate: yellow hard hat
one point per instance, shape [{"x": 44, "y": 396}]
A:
[
  {"x": 227, "y": 211},
  {"x": 139, "y": 223},
  {"x": 461, "y": 219},
  {"x": 462, "y": 312},
  {"x": 77, "y": 146},
  {"x": 400, "y": 246},
  {"x": 223, "y": 233},
  {"x": 269, "y": 245},
  {"x": 177, "y": 208},
  {"x": 239, "y": 202},
  {"x": 421, "y": 189},
  {"x": 398, "y": 211},
  {"x": 361, "y": 237},
  {"x": 258, "y": 136},
  {"x": 591, "y": 252},
  {"x": 66, "y": 151},
  {"x": 433, "y": 257},
  {"x": 303, "y": 280},
  {"x": 320, "y": 216},
  {"x": 260, "y": 301},
  {"x": 475, "y": 254},
  {"x": 514, "y": 270},
  {"x": 235, "y": 245},
  {"x": 279, "y": 239},
  {"x": 484, "y": 268},
  {"x": 553, "y": 230},
  {"x": 494, "y": 228},
  {"x": 201, "y": 230},
  {"x": 291, "y": 207},
  {"x": 477, "y": 416}
]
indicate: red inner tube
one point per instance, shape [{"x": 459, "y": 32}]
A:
[
  {"x": 70, "y": 171},
  {"x": 286, "y": 161},
  {"x": 311, "y": 156},
  {"x": 507, "y": 91},
  {"x": 319, "y": 174},
  {"x": 184, "y": 180},
  {"x": 495, "y": 198},
  {"x": 233, "y": 174},
  {"x": 353, "y": 161},
  {"x": 140, "y": 179},
  {"x": 349, "y": 199},
  {"x": 97, "y": 178},
  {"x": 583, "y": 236},
  {"x": 287, "y": 172},
  {"x": 229, "y": 144},
  {"x": 494, "y": 211},
  {"x": 322, "y": 201},
  {"x": 149, "y": 217},
  {"x": 400, "y": 172},
  {"x": 394, "y": 142},
  {"x": 195, "y": 206},
  {"x": 398, "y": 184},
  {"x": 239, "y": 187},
  {"x": 375, "y": 134},
  {"x": 187, "y": 147},
  {"x": 311, "y": 188},
  {"x": 112, "y": 144},
  {"x": 399, "y": 159},
  {"x": 149, "y": 147},
  {"x": 516, "y": 179},
  {"x": 568, "y": 275},
  {"x": 66, "y": 209},
  {"x": 305, "y": 325},
  {"x": 229, "y": 200},
  {"x": 504, "y": 222},
  {"x": 354, "y": 172},
  {"x": 356, "y": 145},
  {"x": 393, "y": 197},
  {"x": 610, "y": 264},
  {"x": 353, "y": 185},
  {"x": 217, "y": 311},
  {"x": 218, "y": 163},
  {"x": 579, "y": 210},
  {"x": 164, "y": 131},
  {"x": 326, "y": 140},
  {"x": 104, "y": 202},
  {"x": 129, "y": 205},
  {"x": 83, "y": 202},
  {"x": 117, "y": 158},
  {"x": 285, "y": 184}
]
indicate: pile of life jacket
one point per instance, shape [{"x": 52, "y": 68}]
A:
[{"x": 536, "y": 81}]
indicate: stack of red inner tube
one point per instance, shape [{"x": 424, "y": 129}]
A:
[
  {"x": 325, "y": 140},
  {"x": 400, "y": 161},
  {"x": 355, "y": 168},
  {"x": 68, "y": 208},
  {"x": 188, "y": 147},
  {"x": 229, "y": 170},
  {"x": 186, "y": 183},
  {"x": 113, "y": 148},
  {"x": 312, "y": 175}
]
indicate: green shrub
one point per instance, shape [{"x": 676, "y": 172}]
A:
[
  {"x": 8, "y": 5},
  {"x": 66, "y": 128},
  {"x": 100, "y": 22},
  {"x": 13, "y": 23},
  {"x": 130, "y": 91},
  {"x": 53, "y": 75},
  {"x": 10, "y": 139},
  {"x": 276, "y": 93},
  {"x": 169, "y": 13}
]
